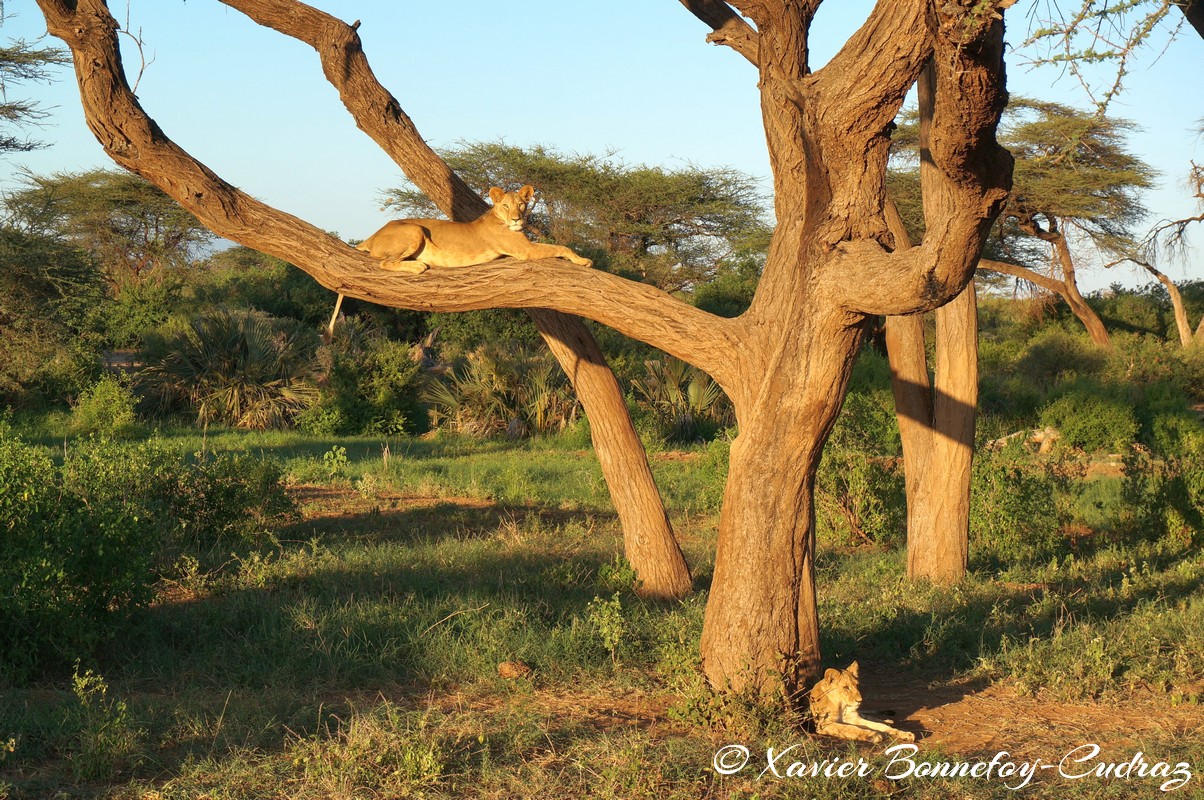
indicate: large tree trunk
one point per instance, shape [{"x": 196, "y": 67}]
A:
[{"x": 762, "y": 615}]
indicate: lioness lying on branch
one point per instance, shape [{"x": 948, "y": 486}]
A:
[{"x": 415, "y": 245}]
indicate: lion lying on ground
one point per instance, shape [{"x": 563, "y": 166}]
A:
[
  {"x": 415, "y": 245},
  {"x": 834, "y": 704}
]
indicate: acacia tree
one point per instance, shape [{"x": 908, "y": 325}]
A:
[
  {"x": 832, "y": 262},
  {"x": 1074, "y": 177},
  {"x": 127, "y": 224}
]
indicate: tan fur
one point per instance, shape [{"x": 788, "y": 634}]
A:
[
  {"x": 834, "y": 705},
  {"x": 413, "y": 245}
]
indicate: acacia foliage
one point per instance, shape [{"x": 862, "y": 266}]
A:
[
  {"x": 50, "y": 297},
  {"x": 129, "y": 226}
]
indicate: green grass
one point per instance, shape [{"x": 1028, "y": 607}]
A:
[{"x": 354, "y": 654}]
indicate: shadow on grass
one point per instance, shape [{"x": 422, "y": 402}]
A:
[{"x": 934, "y": 635}]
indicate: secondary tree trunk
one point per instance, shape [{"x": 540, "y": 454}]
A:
[
  {"x": 1078, "y": 304},
  {"x": 648, "y": 540},
  {"x": 936, "y": 425}
]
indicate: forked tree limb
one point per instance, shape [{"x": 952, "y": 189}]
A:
[
  {"x": 133, "y": 140},
  {"x": 964, "y": 194}
]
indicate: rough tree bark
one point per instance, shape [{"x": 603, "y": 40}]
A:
[
  {"x": 785, "y": 363},
  {"x": 936, "y": 416}
]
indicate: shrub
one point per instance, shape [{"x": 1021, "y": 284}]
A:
[
  {"x": 861, "y": 498},
  {"x": 67, "y": 567},
  {"x": 516, "y": 393},
  {"x": 368, "y": 385},
  {"x": 1092, "y": 420},
  {"x": 105, "y": 407},
  {"x": 1166, "y": 496},
  {"x": 686, "y": 402},
  {"x": 81, "y": 544},
  {"x": 240, "y": 368},
  {"x": 1015, "y": 513},
  {"x": 1055, "y": 356}
]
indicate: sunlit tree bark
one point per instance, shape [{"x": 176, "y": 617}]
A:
[{"x": 785, "y": 363}]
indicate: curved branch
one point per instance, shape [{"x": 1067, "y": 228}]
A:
[
  {"x": 133, "y": 140},
  {"x": 965, "y": 174},
  {"x": 1024, "y": 273},
  {"x": 375, "y": 111}
]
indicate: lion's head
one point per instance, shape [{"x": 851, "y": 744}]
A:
[{"x": 512, "y": 207}]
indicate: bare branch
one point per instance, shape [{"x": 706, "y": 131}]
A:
[
  {"x": 375, "y": 110},
  {"x": 1024, "y": 273},
  {"x": 728, "y": 28}
]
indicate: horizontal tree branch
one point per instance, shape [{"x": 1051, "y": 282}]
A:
[
  {"x": 1024, "y": 273},
  {"x": 134, "y": 140}
]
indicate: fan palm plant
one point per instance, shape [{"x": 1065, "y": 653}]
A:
[{"x": 235, "y": 367}]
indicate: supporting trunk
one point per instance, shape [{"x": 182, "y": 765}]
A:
[
  {"x": 648, "y": 540},
  {"x": 1074, "y": 298},
  {"x": 936, "y": 425},
  {"x": 761, "y": 629},
  {"x": 1182, "y": 325}
]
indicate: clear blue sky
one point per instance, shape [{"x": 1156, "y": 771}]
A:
[{"x": 634, "y": 76}]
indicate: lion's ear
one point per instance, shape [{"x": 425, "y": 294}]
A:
[
  {"x": 831, "y": 674},
  {"x": 853, "y": 669},
  {"x": 496, "y": 195},
  {"x": 526, "y": 193}
]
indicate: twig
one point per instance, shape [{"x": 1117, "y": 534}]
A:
[{"x": 453, "y": 614}]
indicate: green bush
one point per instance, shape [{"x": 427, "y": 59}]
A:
[
  {"x": 67, "y": 567},
  {"x": 861, "y": 498},
  {"x": 82, "y": 544},
  {"x": 368, "y": 385},
  {"x": 1016, "y": 516},
  {"x": 1092, "y": 420},
  {"x": 106, "y": 407},
  {"x": 516, "y": 393},
  {"x": 1165, "y": 497}
]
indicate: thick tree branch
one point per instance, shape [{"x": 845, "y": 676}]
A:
[
  {"x": 375, "y": 111},
  {"x": 728, "y": 28},
  {"x": 965, "y": 173},
  {"x": 134, "y": 141},
  {"x": 868, "y": 79}
]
